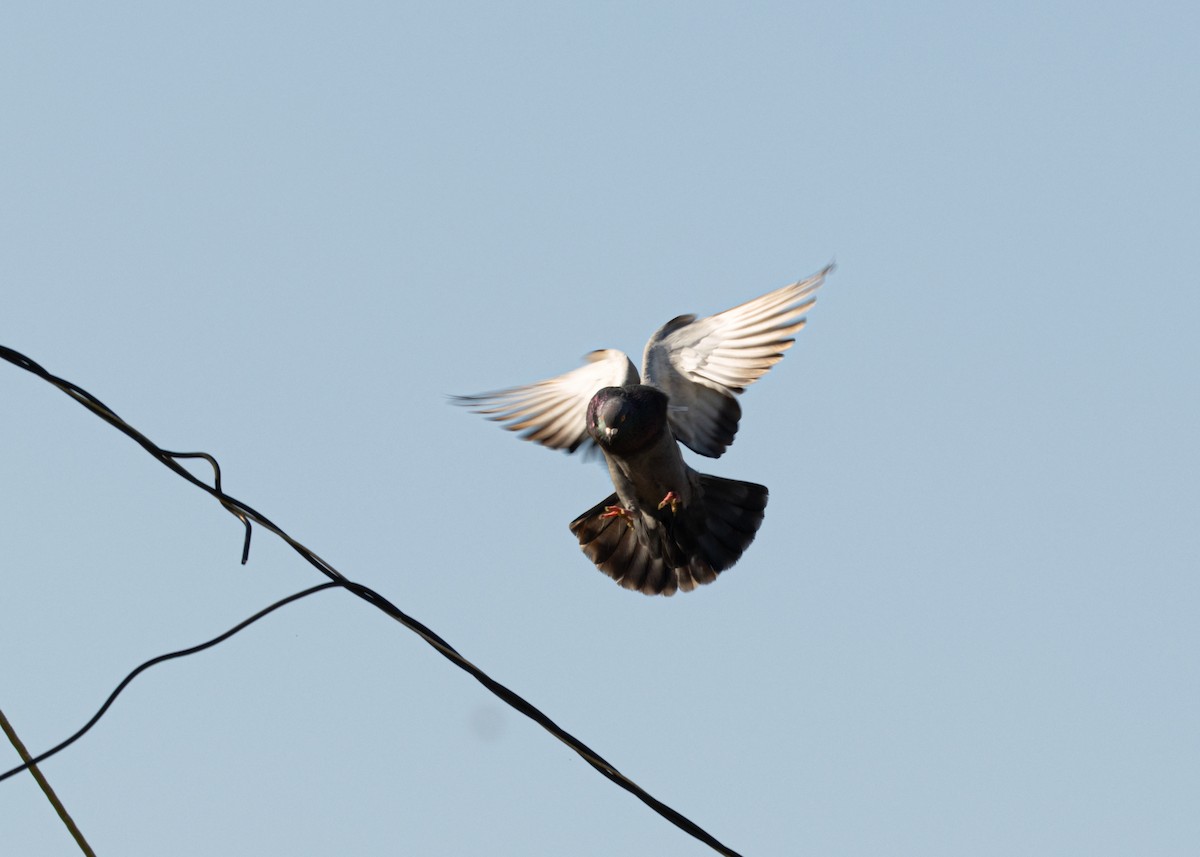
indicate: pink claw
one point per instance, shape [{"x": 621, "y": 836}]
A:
[
  {"x": 618, "y": 512},
  {"x": 672, "y": 500}
]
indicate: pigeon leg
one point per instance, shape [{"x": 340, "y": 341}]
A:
[
  {"x": 618, "y": 512},
  {"x": 672, "y": 500}
]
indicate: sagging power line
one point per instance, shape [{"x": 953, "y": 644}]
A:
[{"x": 248, "y": 516}]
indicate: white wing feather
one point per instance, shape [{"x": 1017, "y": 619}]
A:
[
  {"x": 554, "y": 412},
  {"x": 702, "y": 364}
]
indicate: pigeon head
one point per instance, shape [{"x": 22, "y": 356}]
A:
[{"x": 627, "y": 419}]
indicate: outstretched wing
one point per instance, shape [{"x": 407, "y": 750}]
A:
[
  {"x": 703, "y": 364},
  {"x": 554, "y": 412}
]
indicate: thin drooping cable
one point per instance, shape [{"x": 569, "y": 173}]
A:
[
  {"x": 31, "y": 764},
  {"x": 248, "y": 515},
  {"x": 220, "y": 638}
]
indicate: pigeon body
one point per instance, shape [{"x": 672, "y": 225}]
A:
[
  {"x": 676, "y": 528},
  {"x": 666, "y": 527}
]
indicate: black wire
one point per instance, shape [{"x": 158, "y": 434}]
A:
[
  {"x": 158, "y": 660},
  {"x": 246, "y": 515}
]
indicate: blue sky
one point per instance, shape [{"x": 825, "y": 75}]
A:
[{"x": 284, "y": 234}]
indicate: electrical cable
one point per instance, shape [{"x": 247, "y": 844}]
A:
[
  {"x": 220, "y": 638},
  {"x": 247, "y": 515}
]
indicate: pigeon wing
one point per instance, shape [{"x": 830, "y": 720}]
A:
[
  {"x": 554, "y": 412},
  {"x": 703, "y": 364}
]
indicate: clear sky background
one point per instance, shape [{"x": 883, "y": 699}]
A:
[{"x": 283, "y": 234}]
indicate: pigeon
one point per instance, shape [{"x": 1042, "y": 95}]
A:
[{"x": 666, "y": 527}]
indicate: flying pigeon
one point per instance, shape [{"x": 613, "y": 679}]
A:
[{"x": 666, "y": 527}]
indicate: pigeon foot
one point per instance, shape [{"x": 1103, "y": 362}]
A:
[
  {"x": 672, "y": 500},
  {"x": 618, "y": 512}
]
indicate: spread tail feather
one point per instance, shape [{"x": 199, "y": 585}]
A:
[
  {"x": 733, "y": 514},
  {"x": 669, "y": 551}
]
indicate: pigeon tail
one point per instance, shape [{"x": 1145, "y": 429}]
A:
[
  {"x": 733, "y": 514},
  {"x": 665, "y": 551}
]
